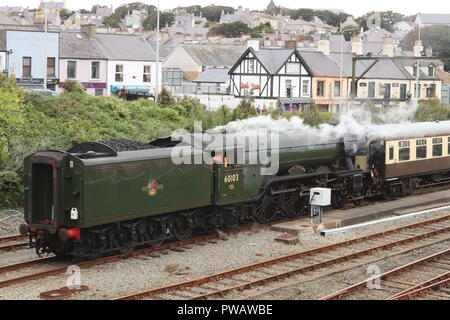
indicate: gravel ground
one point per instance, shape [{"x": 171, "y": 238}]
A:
[
  {"x": 131, "y": 275},
  {"x": 10, "y": 226},
  {"x": 324, "y": 282}
]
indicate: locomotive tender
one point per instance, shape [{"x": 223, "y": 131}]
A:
[{"x": 97, "y": 199}]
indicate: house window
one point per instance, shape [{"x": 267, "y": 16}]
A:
[
  {"x": 437, "y": 147},
  {"x": 218, "y": 90},
  {"x": 431, "y": 91},
  {"x": 415, "y": 70},
  {"x": 147, "y": 74},
  {"x": 421, "y": 149},
  {"x": 99, "y": 92},
  {"x": 251, "y": 66},
  {"x": 26, "y": 70},
  {"x": 404, "y": 150},
  {"x": 371, "y": 93},
  {"x": 305, "y": 87},
  {"x": 431, "y": 70},
  {"x": 337, "y": 88},
  {"x": 320, "y": 88},
  {"x": 288, "y": 85},
  {"x": 71, "y": 69},
  {"x": 95, "y": 70},
  {"x": 51, "y": 69},
  {"x": 119, "y": 73}
]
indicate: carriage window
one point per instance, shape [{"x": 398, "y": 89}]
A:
[
  {"x": 448, "y": 147},
  {"x": 391, "y": 152},
  {"x": 421, "y": 150},
  {"x": 437, "y": 147},
  {"x": 404, "y": 150}
]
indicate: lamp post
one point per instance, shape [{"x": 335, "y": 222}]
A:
[
  {"x": 157, "y": 50},
  {"x": 45, "y": 45},
  {"x": 341, "y": 67}
]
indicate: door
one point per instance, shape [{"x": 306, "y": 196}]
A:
[
  {"x": 387, "y": 92},
  {"x": 403, "y": 91}
]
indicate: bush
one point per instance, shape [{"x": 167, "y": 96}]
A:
[
  {"x": 72, "y": 86},
  {"x": 432, "y": 110}
]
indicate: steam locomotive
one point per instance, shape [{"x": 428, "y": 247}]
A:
[{"x": 102, "y": 198}]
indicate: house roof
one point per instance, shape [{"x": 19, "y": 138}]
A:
[
  {"x": 384, "y": 69},
  {"x": 214, "y": 55},
  {"x": 445, "y": 76},
  {"x": 214, "y": 75},
  {"x": 78, "y": 45},
  {"x": 5, "y": 19},
  {"x": 272, "y": 59},
  {"x": 434, "y": 18},
  {"x": 320, "y": 64},
  {"x": 105, "y": 46},
  {"x": 125, "y": 47},
  {"x": 51, "y": 5}
]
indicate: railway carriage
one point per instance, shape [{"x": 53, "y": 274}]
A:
[{"x": 99, "y": 198}]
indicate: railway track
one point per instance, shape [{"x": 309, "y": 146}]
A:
[
  {"x": 12, "y": 238},
  {"x": 155, "y": 251},
  {"x": 298, "y": 263},
  {"x": 396, "y": 284}
]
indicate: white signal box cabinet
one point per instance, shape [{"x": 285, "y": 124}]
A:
[{"x": 320, "y": 197}]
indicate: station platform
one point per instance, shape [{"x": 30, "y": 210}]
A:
[{"x": 353, "y": 215}]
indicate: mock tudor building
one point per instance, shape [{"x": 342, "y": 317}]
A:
[{"x": 272, "y": 74}]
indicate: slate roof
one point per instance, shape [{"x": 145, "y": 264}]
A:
[
  {"x": 273, "y": 59},
  {"x": 105, "y": 46},
  {"x": 51, "y": 5},
  {"x": 384, "y": 69},
  {"x": 78, "y": 45},
  {"x": 5, "y": 19},
  {"x": 320, "y": 64},
  {"x": 214, "y": 75},
  {"x": 214, "y": 55}
]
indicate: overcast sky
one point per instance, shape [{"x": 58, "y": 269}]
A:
[{"x": 355, "y": 7}]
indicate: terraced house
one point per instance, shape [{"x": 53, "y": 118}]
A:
[
  {"x": 272, "y": 74},
  {"x": 104, "y": 63}
]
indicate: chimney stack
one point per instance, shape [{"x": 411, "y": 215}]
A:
[
  {"x": 290, "y": 44},
  {"x": 324, "y": 46},
  {"x": 418, "y": 48},
  {"x": 357, "y": 46},
  {"x": 253, "y": 44},
  {"x": 388, "y": 47},
  {"x": 89, "y": 30}
]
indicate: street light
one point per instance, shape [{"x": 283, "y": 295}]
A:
[
  {"x": 157, "y": 49},
  {"x": 341, "y": 68}
]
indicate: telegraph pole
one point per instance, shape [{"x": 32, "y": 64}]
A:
[
  {"x": 45, "y": 46},
  {"x": 157, "y": 50}
]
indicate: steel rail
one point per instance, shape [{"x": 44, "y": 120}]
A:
[
  {"x": 12, "y": 238},
  {"x": 341, "y": 293},
  {"x": 232, "y": 272},
  {"x": 422, "y": 288},
  {"x": 14, "y": 246}
]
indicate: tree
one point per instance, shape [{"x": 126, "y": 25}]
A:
[
  {"x": 64, "y": 14},
  {"x": 231, "y": 30},
  {"x": 164, "y": 18},
  {"x": 436, "y": 37},
  {"x": 245, "y": 110}
]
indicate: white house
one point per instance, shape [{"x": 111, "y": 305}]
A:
[
  {"x": 31, "y": 56},
  {"x": 131, "y": 63},
  {"x": 272, "y": 74}
]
